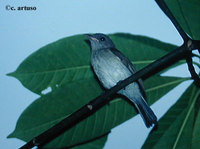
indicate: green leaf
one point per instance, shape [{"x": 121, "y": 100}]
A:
[
  {"x": 179, "y": 127},
  {"x": 55, "y": 106},
  {"x": 97, "y": 143},
  {"x": 196, "y": 129},
  {"x": 187, "y": 12},
  {"x": 68, "y": 60}
]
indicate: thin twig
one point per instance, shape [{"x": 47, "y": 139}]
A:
[{"x": 194, "y": 75}]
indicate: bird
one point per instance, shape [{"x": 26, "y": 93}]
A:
[{"x": 111, "y": 67}]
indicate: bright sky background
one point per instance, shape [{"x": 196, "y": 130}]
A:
[{"x": 23, "y": 32}]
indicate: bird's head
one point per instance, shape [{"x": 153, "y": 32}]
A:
[{"x": 100, "y": 41}]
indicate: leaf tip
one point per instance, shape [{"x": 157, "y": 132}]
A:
[
  {"x": 10, "y": 135},
  {"x": 11, "y": 74}
]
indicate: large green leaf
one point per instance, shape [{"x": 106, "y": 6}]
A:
[
  {"x": 68, "y": 60},
  {"x": 56, "y": 105},
  {"x": 179, "y": 128},
  {"x": 187, "y": 12}
]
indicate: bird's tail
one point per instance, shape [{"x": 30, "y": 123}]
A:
[{"x": 146, "y": 113}]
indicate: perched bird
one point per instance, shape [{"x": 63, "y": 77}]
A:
[{"x": 111, "y": 67}]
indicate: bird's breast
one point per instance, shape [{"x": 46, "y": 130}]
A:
[{"x": 109, "y": 68}]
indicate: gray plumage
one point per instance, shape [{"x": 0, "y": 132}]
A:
[{"x": 111, "y": 66}]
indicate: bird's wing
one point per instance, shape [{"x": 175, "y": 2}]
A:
[{"x": 131, "y": 68}]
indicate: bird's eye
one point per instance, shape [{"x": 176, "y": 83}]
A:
[{"x": 102, "y": 39}]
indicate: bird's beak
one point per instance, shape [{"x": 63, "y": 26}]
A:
[{"x": 91, "y": 37}]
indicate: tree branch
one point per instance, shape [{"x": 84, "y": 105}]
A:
[{"x": 103, "y": 99}]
